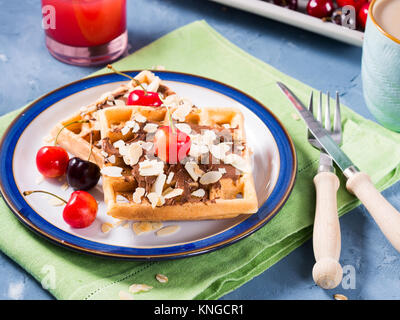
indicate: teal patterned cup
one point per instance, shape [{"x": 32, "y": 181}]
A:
[{"x": 381, "y": 73}]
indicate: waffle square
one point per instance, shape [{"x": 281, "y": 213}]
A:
[
  {"x": 76, "y": 137},
  {"x": 213, "y": 182}
]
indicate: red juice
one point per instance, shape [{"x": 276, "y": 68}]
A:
[{"x": 86, "y": 23}]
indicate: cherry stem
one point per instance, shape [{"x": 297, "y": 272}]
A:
[
  {"x": 171, "y": 123},
  {"x": 27, "y": 193},
  {"x": 68, "y": 124},
  {"x": 91, "y": 145},
  {"x": 109, "y": 66}
]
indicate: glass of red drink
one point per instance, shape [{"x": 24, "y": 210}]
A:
[{"x": 85, "y": 32}]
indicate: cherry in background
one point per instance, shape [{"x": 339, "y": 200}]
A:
[
  {"x": 357, "y": 4},
  {"x": 363, "y": 15},
  {"x": 320, "y": 8}
]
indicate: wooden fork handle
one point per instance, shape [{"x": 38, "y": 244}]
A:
[
  {"x": 327, "y": 272},
  {"x": 384, "y": 214}
]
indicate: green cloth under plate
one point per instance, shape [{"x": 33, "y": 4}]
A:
[{"x": 198, "y": 49}]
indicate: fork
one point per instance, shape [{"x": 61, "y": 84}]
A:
[{"x": 327, "y": 272}]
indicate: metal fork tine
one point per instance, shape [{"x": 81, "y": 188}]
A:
[
  {"x": 327, "y": 113},
  {"x": 310, "y": 108},
  {"x": 319, "y": 114},
  {"x": 337, "y": 122}
]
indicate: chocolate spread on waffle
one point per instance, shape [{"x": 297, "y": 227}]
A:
[{"x": 181, "y": 178}]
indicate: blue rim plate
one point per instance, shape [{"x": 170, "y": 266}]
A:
[{"x": 30, "y": 218}]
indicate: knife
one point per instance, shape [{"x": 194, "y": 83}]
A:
[{"x": 358, "y": 183}]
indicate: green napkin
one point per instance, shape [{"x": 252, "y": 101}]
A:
[{"x": 198, "y": 49}]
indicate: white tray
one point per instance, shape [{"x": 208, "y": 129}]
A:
[{"x": 297, "y": 19}]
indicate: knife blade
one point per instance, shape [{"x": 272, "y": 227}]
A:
[{"x": 322, "y": 135}]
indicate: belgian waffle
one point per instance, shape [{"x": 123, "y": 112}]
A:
[
  {"x": 76, "y": 137},
  {"x": 213, "y": 182}
]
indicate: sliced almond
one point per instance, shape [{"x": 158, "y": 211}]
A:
[
  {"x": 119, "y": 103},
  {"x": 118, "y": 144},
  {"x": 146, "y": 145},
  {"x": 150, "y": 127},
  {"x": 238, "y": 162},
  {"x": 168, "y": 230},
  {"x": 142, "y": 227},
  {"x": 199, "y": 193},
  {"x": 210, "y": 177},
  {"x": 158, "y": 185},
  {"x": 219, "y": 150},
  {"x": 161, "y": 278},
  {"x": 65, "y": 186},
  {"x": 136, "y": 288},
  {"x": 104, "y": 154},
  {"x": 112, "y": 171},
  {"x": 222, "y": 170},
  {"x": 111, "y": 159},
  {"x": 194, "y": 170},
  {"x": 184, "y": 127},
  {"x": 133, "y": 153},
  {"x": 125, "y": 130},
  {"x": 170, "y": 177},
  {"x": 138, "y": 194},
  {"x": 123, "y": 295},
  {"x": 174, "y": 193},
  {"x": 155, "y": 199},
  {"x": 106, "y": 227},
  {"x": 151, "y": 167},
  {"x": 156, "y": 225},
  {"x": 339, "y": 296},
  {"x": 139, "y": 117}
]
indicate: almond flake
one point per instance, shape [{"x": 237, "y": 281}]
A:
[
  {"x": 339, "y": 296},
  {"x": 161, "y": 278},
  {"x": 123, "y": 295},
  {"x": 210, "y": 177},
  {"x": 208, "y": 137},
  {"x": 140, "y": 118},
  {"x": 121, "y": 199},
  {"x": 106, "y": 227},
  {"x": 222, "y": 170},
  {"x": 112, "y": 171},
  {"x": 184, "y": 127},
  {"x": 238, "y": 162},
  {"x": 104, "y": 154},
  {"x": 199, "y": 193},
  {"x": 119, "y": 103},
  {"x": 125, "y": 130},
  {"x": 196, "y": 150},
  {"x": 133, "y": 125},
  {"x": 170, "y": 177},
  {"x": 158, "y": 185},
  {"x": 219, "y": 150},
  {"x": 150, "y": 127},
  {"x": 111, "y": 159},
  {"x": 174, "y": 193},
  {"x": 142, "y": 227},
  {"x": 193, "y": 169},
  {"x": 133, "y": 153},
  {"x": 166, "y": 231},
  {"x": 138, "y": 194},
  {"x": 146, "y": 145},
  {"x": 118, "y": 144},
  {"x": 155, "y": 199},
  {"x": 136, "y": 288},
  {"x": 156, "y": 225},
  {"x": 226, "y": 125},
  {"x": 151, "y": 168}
]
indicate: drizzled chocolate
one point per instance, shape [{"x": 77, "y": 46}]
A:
[{"x": 181, "y": 178}]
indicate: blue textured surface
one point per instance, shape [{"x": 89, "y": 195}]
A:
[{"x": 29, "y": 71}]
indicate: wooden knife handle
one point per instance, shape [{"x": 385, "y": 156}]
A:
[
  {"x": 384, "y": 214},
  {"x": 327, "y": 272}
]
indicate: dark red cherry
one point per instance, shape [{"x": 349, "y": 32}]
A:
[
  {"x": 320, "y": 8},
  {"x": 142, "y": 98},
  {"x": 290, "y": 4},
  {"x": 82, "y": 174},
  {"x": 363, "y": 15}
]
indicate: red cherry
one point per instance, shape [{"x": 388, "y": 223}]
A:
[
  {"x": 52, "y": 161},
  {"x": 357, "y": 4},
  {"x": 142, "y": 98},
  {"x": 171, "y": 146},
  {"x": 320, "y": 8},
  {"x": 363, "y": 15},
  {"x": 81, "y": 210}
]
